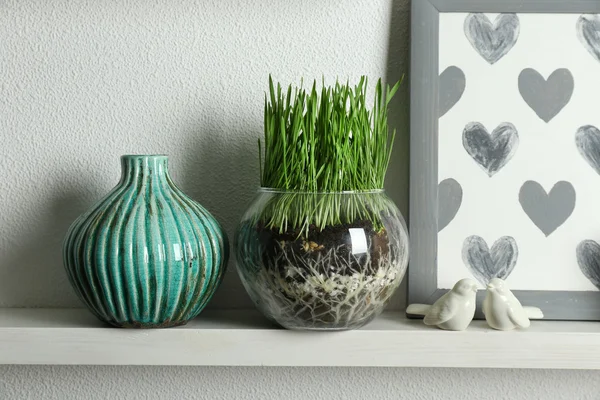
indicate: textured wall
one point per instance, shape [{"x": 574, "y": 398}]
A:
[
  {"x": 101, "y": 383},
  {"x": 82, "y": 82}
]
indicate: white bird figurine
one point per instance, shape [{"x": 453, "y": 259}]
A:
[
  {"x": 502, "y": 309},
  {"x": 454, "y": 311}
]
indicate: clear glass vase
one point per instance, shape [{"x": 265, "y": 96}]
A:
[{"x": 321, "y": 261}]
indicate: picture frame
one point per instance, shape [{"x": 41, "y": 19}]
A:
[{"x": 424, "y": 116}]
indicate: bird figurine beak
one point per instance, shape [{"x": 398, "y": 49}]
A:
[{"x": 490, "y": 286}]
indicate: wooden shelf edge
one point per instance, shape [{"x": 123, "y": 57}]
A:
[{"x": 244, "y": 338}]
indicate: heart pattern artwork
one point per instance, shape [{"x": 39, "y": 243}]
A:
[
  {"x": 492, "y": 40},
  {"x": 491, "y": 151},
  {"x": 546, "y": 97},
  {"x": 532, "y": 188},
  {"x": 549, "y": 210},
  {"x": 588, "y": 32},
  {"x": 588, "y": 258},
  {"x": 485, "y": 263},
  {"x": 451, "y": 88}
]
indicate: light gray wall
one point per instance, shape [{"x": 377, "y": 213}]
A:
[
  {"x": 82, "y": 82},
  {"x": 102, "y": 383},
  {"x": 85, "y": 81}
]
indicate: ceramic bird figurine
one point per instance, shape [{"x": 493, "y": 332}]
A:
[
  {"x": 454, "y": 311},
  {"x": 502, "y": 309}
]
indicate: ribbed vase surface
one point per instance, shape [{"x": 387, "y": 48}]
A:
[{"x": 146, "y": 255}]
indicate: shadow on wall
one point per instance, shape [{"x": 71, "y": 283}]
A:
[
  {"x": 221, "y": 173},
  {"x": 398, "y": 62},
  {"x": 34, "y": 273}
]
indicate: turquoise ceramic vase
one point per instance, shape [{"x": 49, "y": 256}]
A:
[{"x": 146, "y": 255}]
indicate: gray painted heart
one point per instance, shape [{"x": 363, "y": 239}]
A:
[
  {"x": 588, "y": 258},
  {"x": 588, "y": 32},
  {"x": 546, "y": 97},
  {"x": 486, "y": 264},
  {"x": 550, "y": 210},
  {"x": 451, "y": 89},
  {"x": 449, "y": 200},
  {"x": 587, "y": 140},
  {"x": 491, "y": 152},
  {"x": 492, "y": 41}
]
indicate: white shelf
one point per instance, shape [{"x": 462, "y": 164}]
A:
[{"x": 244, "y": 338}]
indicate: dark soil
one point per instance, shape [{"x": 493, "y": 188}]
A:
[{"x": 316, "y": 244}]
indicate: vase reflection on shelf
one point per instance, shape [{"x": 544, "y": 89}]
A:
[
  {"x": 146, "y": 255},
  {"x": 334, "y": 277}
]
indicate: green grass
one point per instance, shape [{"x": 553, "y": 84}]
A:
[{"x": 326, "y": 141}]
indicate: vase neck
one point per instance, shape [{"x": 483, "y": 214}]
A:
[{"x": 135, "y": 168}]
